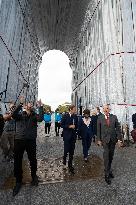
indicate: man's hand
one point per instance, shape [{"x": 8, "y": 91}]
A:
[
  {"x": 99, "y": 143},
  {"x": 120, "y": 143},
  {"x": 39, "y": 103},
  {"x": 22, "y": 100},
  {"x": 72, "y": 126},
  {"x": 7, "y": 117}
]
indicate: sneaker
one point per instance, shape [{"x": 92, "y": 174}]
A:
[{"x": 17, "y": 189}]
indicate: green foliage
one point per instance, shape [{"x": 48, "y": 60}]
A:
[
  {"x": 46, "y": 108},
  {"x": 62, "y": 108}
]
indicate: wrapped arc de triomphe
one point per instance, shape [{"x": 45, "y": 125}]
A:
[{"x": 99, "y": 37}]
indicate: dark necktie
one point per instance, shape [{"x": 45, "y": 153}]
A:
[
  {"x": 72, "y": 119},
  {"x": 108, "y": 120}
]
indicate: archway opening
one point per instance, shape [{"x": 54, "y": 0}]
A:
[{"x": 55, "y": 76}]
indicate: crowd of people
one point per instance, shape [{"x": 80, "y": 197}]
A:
[{"x": 18, "y": 132}]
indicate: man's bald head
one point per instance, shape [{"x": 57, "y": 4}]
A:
[{"x": 106, "y": 109}]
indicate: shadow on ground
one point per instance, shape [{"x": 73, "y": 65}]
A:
[{"x": 52, "y": 171}]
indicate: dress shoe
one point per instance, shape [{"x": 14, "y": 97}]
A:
[
  {"x": 108, "y": 180},
  {"x": 71, "y": 170},
  {"x": 64, "y": 161},
  {"x": 111, "y": 175},
  {"x": 17, "y": 189},
  {"x": 35, "y": 181},
  {"x": 64, "y": 167},
  {"x": 86, "y": 160}
]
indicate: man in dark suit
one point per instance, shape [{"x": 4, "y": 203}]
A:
[
  {"x": 95, "y": 114},
  {"x": 98, "y": 111},
  {"x": 108, "y": 134},
  {"x": 134, "y": 120},
  {"x": 1, "y": 124},
  {"x": 69, "y": 123}
]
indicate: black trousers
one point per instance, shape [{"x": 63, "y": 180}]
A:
[
  {"x": 86, "y": 142},
  {"x": 47, "y": 127},
  {"x": 69, "y": 147},
  {"x": 19, "y": 147},
  {"x": 57, "y": 127},
  {"x": 108, "y": 156}
]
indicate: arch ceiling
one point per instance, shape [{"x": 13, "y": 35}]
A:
[{"x": 58, "y": 23}]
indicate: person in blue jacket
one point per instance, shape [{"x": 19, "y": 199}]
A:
[
  {"x": 57, "y": 122},
  {"x": 85, "y": 130},
  {"x": 47, "y": 120}
]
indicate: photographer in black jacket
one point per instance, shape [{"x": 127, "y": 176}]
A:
[
  {"x": 1, "y": 124},
  {"x": 25, "y": 139}
]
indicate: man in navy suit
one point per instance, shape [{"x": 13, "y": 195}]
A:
[
  {"x": 69, "y": 124},
  {"x": 134, "y": 120}
]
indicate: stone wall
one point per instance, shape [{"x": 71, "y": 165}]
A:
[{"x": 105, "y": 70}]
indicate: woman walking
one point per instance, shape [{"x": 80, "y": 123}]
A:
[{"x": 85, "y": 129}]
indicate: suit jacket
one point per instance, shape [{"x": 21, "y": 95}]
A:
[
  {"x": 69, "y": 133},
  {"x": 1, "y": 124},
  {"x": 134, "y": 120},
  {"x": 83, "y": 130},
  {"x": 106, "y": 133},
  {"x": 94, "y": 123}
]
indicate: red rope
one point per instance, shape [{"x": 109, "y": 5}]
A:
[
  {"x": 125, "y": 104},
  {"x": 103, "y": 61}
]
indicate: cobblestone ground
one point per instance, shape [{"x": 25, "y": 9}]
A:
[{"x": 57, "y": 187}]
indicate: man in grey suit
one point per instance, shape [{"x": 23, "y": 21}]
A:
[{"x": 108, "y": 134}]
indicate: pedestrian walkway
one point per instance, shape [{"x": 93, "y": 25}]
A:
[{"x": 58, "y": 187}]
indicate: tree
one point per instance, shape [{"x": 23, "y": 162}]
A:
[
  {"x": 46, "y": 108},
  {"x": 63, "y": 108}
]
